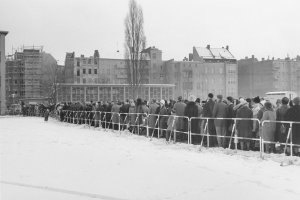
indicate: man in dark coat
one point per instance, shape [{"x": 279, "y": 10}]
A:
[
  {"x": 220, "y": 111},
  {"x": 208, "y": 112},
  {"x": 179, "y": 108},
  {"x": 293, "y": 114},
  {"x": 191, "y": 110},
  {"x": 281, "y": 130},
  {"x": 244, "y": 127}
]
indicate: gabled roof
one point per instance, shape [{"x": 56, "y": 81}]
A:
[{"x": 214, "y": 53}]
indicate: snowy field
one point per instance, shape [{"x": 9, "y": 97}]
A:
[{"x": 55, "y": 160}]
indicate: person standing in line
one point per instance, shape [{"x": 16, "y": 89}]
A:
[
  {"x": 152, "y": 116},
  {"x": 269, "y": 128},
  {"x": 46, "y": 115},
  {"x": 220, "y": 111},
  {"x": 208, "y": 112},
  {"x": 163, "y": 119},
  {"x": 244, "y": 127},
  {"x": 281, "y": 128},
  {"x": 191, "y": 110},
  {"x": 179, "y": 108},
  {"x": 293, "y": 114}
]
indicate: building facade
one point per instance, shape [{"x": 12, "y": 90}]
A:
[
  {"x": 2, "y": 73},
  {"x": 256, "y": 78},
  {"x": 207, "y": 70}
]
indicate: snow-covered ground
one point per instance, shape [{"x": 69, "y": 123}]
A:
[{"x": 56, "y": 160}]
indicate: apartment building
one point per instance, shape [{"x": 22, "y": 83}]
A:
[{"x": 268, "y": 75}]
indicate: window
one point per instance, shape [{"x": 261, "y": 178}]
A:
[
  {"x": 90, "y": 71},
  {"x": 95, "y": 71},
  {"x": 78, "y": 63},
  {"x": 154, "y": 55},
  {"x": 83, "y": 71},
  {"x": 16, "y": 82},
  {"x": 84, "y": 80},
  {"x": 78, "y": 72},
  {"x": 89, "y": 61}
]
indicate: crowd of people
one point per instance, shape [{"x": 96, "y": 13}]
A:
[{"x": 163, "y": 118}]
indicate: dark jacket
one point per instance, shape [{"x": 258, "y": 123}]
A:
[
  {"x": 244, "y": 127},
  {"x": 191, "y": 110},
  {"x": 293, "y": 114}
]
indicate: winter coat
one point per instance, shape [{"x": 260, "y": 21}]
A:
[
  {"x": 163, "y": 119},
  {"x": 244, "y": 127},
  {"x": 191, "y": 110},
  {"x": 115, "y": 113},
  {"x": 179, "y": 109},
  {"x": 208, "y": 112},
  {"x": 152, "y": 118},
  {"x": 171, "y": 123},
  {"x": 281, "y": 128},
  {"x": 46, "y": 115},
  {"x": 132, "y": 116},
  {"x": 256, "y": 108},
  {"x": 139, "y": 109},
  {"x": 293, "y": 114},
  {"x": 269, "y": 128},
  {"x": 220, "y": 111}
]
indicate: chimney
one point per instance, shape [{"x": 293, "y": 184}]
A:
[
  {"x": 252, "y": 56},
  {"x": 96, "y": 54},
  {"x": 208, "y": 46},
  {"x": 191, "y": 57},
  {"x": 272, "y": 58},
  {"x": 246, "y": 57},
  {"x": 82, "y": 56},
  {"x": 227, "y": 47},
  {"x": 262, "y": 59}
]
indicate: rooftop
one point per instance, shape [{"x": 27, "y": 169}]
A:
[{"x": 213, "y": 53}]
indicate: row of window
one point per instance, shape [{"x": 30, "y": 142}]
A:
[
  {"x": 84, "y": 71},
  {"x": 89, "y": 61}
]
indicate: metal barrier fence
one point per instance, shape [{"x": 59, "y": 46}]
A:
[
  {"x": 149, "y": 124},
  {"x": 286, "y": 128}
]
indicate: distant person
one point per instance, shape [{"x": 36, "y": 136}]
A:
[{"x": 46, "y": 115}]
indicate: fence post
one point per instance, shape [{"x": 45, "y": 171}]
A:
[
  {"x": 291, "y": 139},
  {"x": 147, "y": 127},
  {"x": 235, "y": 137},
  {"x": 189, "y": 131},
  {"x": 260, "y": 142}
]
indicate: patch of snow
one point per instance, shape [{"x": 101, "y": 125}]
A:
[{"x": 55, "y": 160}]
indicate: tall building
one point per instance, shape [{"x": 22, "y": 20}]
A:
[
  {"x": 270, "y": 75},
  {"x": 2, "y": 72},
  {"x": 30, "y": 76}
]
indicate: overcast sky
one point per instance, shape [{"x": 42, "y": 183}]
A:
[{"x": 260, "y": 27}]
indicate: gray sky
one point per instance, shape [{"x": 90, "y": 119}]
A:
[{"x": 260, "y": 27}]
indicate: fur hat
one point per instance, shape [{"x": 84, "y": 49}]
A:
[
  {"x": 296, "y": 101},
  {"x": 192, "y": 98},
  {"x": 256, "y": 99}
]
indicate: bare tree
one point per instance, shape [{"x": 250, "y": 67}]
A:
[{"x": 135, "y": 42}]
